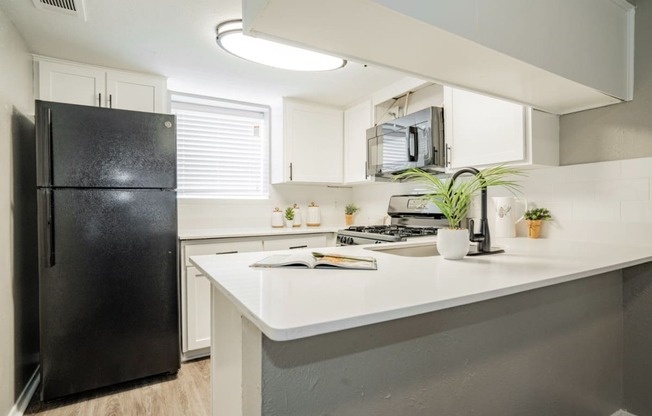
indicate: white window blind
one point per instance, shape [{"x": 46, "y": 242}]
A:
[{"x": 222, "y": 148}]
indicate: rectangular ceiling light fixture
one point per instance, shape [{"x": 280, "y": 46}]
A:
[{"x": 68, "y": 7}]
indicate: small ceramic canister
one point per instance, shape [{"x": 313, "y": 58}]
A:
[
  {"x": 313, "y": 218},
  {"x": 277, "y": 218},
  {"x": 297, "y": 216}
]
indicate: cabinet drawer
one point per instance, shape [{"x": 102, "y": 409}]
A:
[
  {"x": 284, "y": 243},
  {"x": 225, "y": 246}
]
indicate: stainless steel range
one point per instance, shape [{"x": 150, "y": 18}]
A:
[{"x": 411, "y": 216}]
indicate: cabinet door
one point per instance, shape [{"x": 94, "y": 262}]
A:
[
  {"x": 71, "y": 84},
  {"x": 296, "y": 242},
  {"x": 313, "y": 142},
  {"x": 198, "y": 310},
  {"x": 137, "y": 92},
  {"x": 357, "y": 120},
  {"x": 481, "y": 130}
]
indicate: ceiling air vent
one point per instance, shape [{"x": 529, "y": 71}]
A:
[{"x": 68, "y": 7}]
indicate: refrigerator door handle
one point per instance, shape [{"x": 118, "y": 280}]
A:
[
  {"x": 49, "y": 148},
  {"x": 44, "y": 148},
  {"x": 46, "y": 197}
]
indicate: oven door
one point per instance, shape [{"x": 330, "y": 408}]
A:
[{"x": 357, "y": 239}]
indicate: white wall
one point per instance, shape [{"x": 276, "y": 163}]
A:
[
  {"x": 15, "y": 92},
  {"x": 203, "y": 213}
]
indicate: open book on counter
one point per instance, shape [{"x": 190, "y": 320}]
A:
[{"x": 318, "y": 261}]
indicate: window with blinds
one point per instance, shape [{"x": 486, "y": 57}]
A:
[{"x": 222, "y": 148}]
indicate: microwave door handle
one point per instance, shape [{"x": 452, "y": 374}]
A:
[{"x": 413, "y": 144}]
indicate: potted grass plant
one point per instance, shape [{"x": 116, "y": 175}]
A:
[{"x": 453, "y": 198}]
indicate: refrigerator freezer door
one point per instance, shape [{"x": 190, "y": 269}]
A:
[
  {"x": 91, "y": 147},
  {"x": 109, "y": 304}
]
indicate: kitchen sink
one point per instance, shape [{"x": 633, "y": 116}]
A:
[{"x": 412, "y": 250}]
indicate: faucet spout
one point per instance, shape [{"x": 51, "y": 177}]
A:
[{"x": 483, "y": 238}]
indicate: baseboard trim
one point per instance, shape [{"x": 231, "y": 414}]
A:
[
  {"x": 194, "y": 354},
  {"x": 623, "y": 413},
  {"x": 26, "y": 395}
]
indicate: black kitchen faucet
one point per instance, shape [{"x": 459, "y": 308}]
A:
[{"x": 483, "y": 238}]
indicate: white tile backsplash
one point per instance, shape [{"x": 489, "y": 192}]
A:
[
  {"x": 603, "y": 211},
  {"x": 573, "y": 191},
  {"x": 225, "y": 213},
  {"x": 636, "y": 168},
  {"x": 605, "y": 201},
  {"x": 591, "y": 172},
  {"x": 596, "y": 201},
  {"x": 636, "y": 212},
  {"x": 623, "y": 190}
]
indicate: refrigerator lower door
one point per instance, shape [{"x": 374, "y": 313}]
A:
[{"x": 109, "y": 303}]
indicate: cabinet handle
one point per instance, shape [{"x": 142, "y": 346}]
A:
[
  {"x": 290, "y": 171},
  {"x": 449, "y": 151},
  {"x": 227, "y": 252},
  {"x": 303, "y": 246},
  {"x": 110, "y": 100},
  {"x": 99, "y": 101}
]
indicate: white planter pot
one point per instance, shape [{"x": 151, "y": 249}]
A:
[{"x": 452, "y": 244}]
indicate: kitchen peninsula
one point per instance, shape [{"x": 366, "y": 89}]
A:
[{"x": 537, "y": 330}]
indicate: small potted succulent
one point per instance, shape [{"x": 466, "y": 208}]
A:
[
  {"x": 349, "y": 212},
  {"x": 534, "y": 217},
  {"x": 289, "y": 216}
]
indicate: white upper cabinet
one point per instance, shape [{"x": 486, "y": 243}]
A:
[
  {"x": 481, "y": 130},
  {"x": 558, "y": 56},
  {"x": 71, "y": 84},
  {"x": 357, "y": 119},
  {"x": 308, "y": 149},
  {"x": 75, "y": 83},
  {"x": 137, "y": 92}
]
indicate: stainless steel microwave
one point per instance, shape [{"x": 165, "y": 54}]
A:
[{"x": 412, "y": 141}]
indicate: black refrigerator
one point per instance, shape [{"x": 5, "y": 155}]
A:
[{"x": 107, "y": 230}]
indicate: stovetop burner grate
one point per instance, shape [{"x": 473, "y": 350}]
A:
[{"x": 394, "y": 230}]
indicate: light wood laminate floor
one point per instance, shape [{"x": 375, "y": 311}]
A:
[{"x": 187, "y": 393}]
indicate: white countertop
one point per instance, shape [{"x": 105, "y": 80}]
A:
[
  {"x": 287, "y": 304},
  {"x": 205, "y": 233}
]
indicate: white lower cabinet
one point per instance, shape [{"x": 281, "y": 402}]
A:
[
  {"x": 195, "y": 288},
  {"x": 195, "y": 291}
]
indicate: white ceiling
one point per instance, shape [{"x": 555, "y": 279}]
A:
[{"x": 176, "y": 39}]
